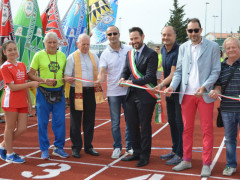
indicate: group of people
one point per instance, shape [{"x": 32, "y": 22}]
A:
[{"x": 193, "y": 68}]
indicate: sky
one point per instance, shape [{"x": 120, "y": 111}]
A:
[{"x": 152, "y": 15}]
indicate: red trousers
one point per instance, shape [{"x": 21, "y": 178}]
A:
[{"x": 189, "y": 105}]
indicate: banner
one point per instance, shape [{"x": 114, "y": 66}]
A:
[
  {"x": 74, "y": 24},
  {"x": 28, "y": 31},
  {"x": 6, "y": 27},
  {"x": 51, "y": 22},
  {"x": 99, "y": 32}
]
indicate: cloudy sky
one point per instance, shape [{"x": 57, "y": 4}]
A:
[{"x": 152, "y": 15}]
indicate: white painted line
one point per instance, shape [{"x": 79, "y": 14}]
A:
[
  {"x": 105, "y": 168},
  {"x": 165, "y": 125},
  {"x": 51, "y": 145},
  {"x": 217, "y": 156},
  {"x": 129, "y": 168}
]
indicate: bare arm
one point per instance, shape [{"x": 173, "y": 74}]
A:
[
  {"x": 18, "y": 87},
  {"x": 101, "y": 74},
  {"x": 32, "y": 76}
]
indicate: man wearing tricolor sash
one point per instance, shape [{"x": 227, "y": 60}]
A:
[
  {"x": 140, "y": 69},
  {"x": 83, "y": 96}
]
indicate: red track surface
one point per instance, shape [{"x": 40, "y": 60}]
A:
[{"x": 103, "y": 167}]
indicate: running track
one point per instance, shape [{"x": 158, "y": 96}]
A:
[{"x": 103, "y": 167}]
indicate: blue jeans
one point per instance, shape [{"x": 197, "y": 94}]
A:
[
  {"x": 115, "y": 103},
  {"x": 231, "y": 120}
]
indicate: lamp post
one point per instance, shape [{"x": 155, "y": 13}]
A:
[
  {"x": 221, "y": 20},
  {"x": 206, "y": 18},
  {"x": 214, "y": 18}
]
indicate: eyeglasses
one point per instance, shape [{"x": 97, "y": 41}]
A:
[
  {"x": 110, "y": 34},
  {"x": 191, "y": 30}
]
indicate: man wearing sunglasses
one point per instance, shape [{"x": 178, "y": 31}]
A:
[
  {"x": 198, "y": 68},
  {"x": 111, "y": 62}
]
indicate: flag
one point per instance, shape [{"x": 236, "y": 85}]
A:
[
  {"x": 74, "y": 24},
  {"x": 6, "y": 27},
  {"x": 98, "y": 9},
  {"x": 28, "y": 31},
  {"x": 51, "y": 22},
  {"x": 99, "y": 32}
]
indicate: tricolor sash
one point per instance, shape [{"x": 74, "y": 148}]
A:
[
  {"x": 78, "y": 84},
  {"x": 138, "y": 75}
]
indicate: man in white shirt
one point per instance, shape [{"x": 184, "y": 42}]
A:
[
  {"x": 198, "y": 68},
  {"x": 112, "y": 62}
]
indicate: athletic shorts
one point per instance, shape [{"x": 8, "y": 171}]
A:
[{"x": 19, "y": 110}]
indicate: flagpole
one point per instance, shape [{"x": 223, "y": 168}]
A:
[{"x": 65, "y": 15}]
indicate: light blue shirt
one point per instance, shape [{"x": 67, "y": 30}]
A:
[{"x": 86, "y": 65}]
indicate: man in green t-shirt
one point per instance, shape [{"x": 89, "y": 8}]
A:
[{"x": 50, "y": 65}]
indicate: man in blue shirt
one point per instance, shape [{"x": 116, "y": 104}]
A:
[{"x": 169, "y": 60}]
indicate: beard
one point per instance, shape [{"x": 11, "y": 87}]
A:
[{"x": 137, "y": 45}]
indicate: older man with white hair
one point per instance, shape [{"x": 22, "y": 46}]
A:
[
  {"x": 83, "y": 96},
  {"x": 50, "y": 64},
  {"x": 228, "y": 84}
]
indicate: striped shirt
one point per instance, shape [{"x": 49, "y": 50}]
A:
[{"x": 233, "y": 88}]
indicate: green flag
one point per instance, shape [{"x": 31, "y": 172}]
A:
[{"x": 28, "y": 31}]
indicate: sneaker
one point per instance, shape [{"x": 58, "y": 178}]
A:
[
  {"x": 174, "y": 161},
  {"x": 116, "y": 153},
  {"x": 206, "y": 171},
  {"x": 3, "y": 153},
  {"x": 167, "y": 156},
  {"x": 14, "y": 158},
  {"x": 60, "y": 152},
  {"x": 45, "y": 155},
  {"x": 228, "y": 171},
  {"x": 129, "y": 151},
  {"x": 182, "y": 166}
]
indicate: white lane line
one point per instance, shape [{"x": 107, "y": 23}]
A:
[
  {"x": 216, "y": 157},
  {"x": 52, "y": 145},
  {"x": 129, "y": 168},
  {"x": 114, "y": 162}
]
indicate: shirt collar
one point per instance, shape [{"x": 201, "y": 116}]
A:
[
  {"x": 112, "y": 50},
  {"x": 141, "y": 49},
  {"x": 173, "y": 48}
]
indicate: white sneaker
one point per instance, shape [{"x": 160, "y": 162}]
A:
[
  {"x": 116, "y": 153},
  {"x": 129, "y": 151},
  {"x": 228, "y": 171}
]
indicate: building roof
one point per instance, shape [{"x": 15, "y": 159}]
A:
[{"x": 224, "y": 35}]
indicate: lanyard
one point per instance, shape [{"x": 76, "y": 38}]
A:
[{"x": 55, "y": 71}]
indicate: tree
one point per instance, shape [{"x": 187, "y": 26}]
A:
[{"x": 176, "y": 20}]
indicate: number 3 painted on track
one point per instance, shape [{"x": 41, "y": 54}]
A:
[{"x": 51, "y": 172}]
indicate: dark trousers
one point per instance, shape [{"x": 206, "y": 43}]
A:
[
  {"x": 88, "y": 113},
  {"x": 139, "y": 118},
  {"x": 174, "y": 115}
]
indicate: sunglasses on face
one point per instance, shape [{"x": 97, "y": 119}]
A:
[
  {"x": 110, "y": 34},
  {"x": 195, "y": 30}
]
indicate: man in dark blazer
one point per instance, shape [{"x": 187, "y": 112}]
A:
[{"x": 140, "y": 69}]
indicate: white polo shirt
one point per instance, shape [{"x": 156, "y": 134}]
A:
[{"x": 114, "y": 61}]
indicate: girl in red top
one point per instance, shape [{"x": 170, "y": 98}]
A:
[{"x": 16, "y": 100}]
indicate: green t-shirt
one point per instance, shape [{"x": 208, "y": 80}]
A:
[{"x": 41, "y": 63}]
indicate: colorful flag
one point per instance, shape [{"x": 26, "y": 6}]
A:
[
  {"x": 6, "y": 27},
  {"x": 51, "y": 22},
  {"x": 98, "y": 9},
  {"x": 99, "y": 32},
  {"x": 74, "y": 24},
  {"x": 28, "y": 31}
]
